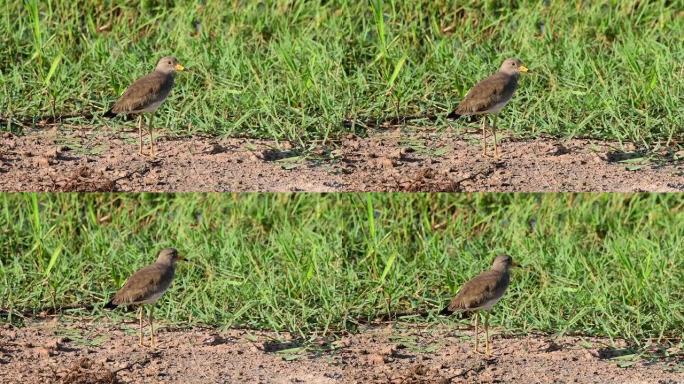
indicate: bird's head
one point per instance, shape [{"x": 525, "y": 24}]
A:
[
  {"x": 513, "y": 67},
  {"x": 168, "y": 256},
  {"x": 503, "y": 263},
  {"x": 169, "y": 64}
]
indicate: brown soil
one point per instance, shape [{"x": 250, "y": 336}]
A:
[
  {"x": 393, "y": 160},
  {"x": 96, "y": 352}
]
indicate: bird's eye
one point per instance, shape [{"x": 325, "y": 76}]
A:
[{"x": 169, "y": 63}]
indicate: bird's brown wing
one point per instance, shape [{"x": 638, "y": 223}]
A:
[
  {"x": 141, "y": 93},
  {"x": 485, "y": 94},
  {"x": 475, "y": 292},
  {"x": 141, "y": 285}
]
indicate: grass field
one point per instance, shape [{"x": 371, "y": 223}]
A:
[
  {"x": 607, "y": 264},
  {"x": 295, "y": 69}
]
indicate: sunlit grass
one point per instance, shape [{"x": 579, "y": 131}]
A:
[
  {"x": 606, "y": 264},
  {"x": 296, "y": 70}
]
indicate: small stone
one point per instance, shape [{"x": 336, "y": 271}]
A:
[
  {"x": 85, "y": 363},
  {"x": 51, "y": 153},
  {"x": 43, "y": 352},
  {"x": 53, "y": 345},
  {"x": 215, "y": 148},
  {"x": 386, "y": 162},
  {"x": 420, "y": 370},
  {"x": 376, "y": 359},
  {"x": 213, "y": 340}
]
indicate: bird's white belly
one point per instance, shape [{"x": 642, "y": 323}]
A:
[
  {"x": 151, "y": 108},
  {"x": 489, "y": 304},
  {"x": 497, "y": 107},
  {"x": 151, "y": 299}
]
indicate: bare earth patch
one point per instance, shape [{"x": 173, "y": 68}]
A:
[
  {"x": 393, "y": 160},
  {"x": 101, "y": 352}
]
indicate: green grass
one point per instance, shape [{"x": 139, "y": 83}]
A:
[
  {"x": 295, "y": 69},
  {"x": 605, "y": 264}
]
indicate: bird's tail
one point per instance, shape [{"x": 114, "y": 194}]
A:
[
  {"x": 458, "y": 314},
  {"x": 446, "y": 312},
  {"x": 110, "y": 305},
  {"x": 109, "y": 114},
  {"x": 453, "y": 116}
]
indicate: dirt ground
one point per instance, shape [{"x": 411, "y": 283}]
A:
[
  {"x": 80, "y": 159},
  {"x": 97, "y": 351}
]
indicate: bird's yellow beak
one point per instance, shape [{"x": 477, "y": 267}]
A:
[
  {"x": 523, "y": 69},
  {"x": 181, "y": 68}
]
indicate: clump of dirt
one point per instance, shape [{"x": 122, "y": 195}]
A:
[
  {"x": 84, "y": 371},
  {"x": 101, "y": 352},
  {"x": 85, "y": 179},
  {"x": 391, "y": 160}
]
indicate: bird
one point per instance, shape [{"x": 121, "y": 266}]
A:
[
  {"x": 146, "y": 286},
  {"x": 146, "y": 95},
  {"x": 489, "y": 96},
  {"x": 481, "y": 293}
]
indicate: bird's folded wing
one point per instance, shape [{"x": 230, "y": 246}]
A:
[
  {"x": 141, "y": 93},
  {"x": 141, "y": 286},
  {"x": 475, "y": 292},
  {"x": 485, "y": 94}
]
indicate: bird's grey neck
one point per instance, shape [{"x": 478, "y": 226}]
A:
[
  {"x": 501, "y": 269},
  {"x": 166, "y": 263}
]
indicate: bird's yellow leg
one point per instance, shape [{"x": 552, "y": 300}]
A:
[
  {"x": 150, "y": 128},
  {"x": 152, "y": 326},
  {"x": 140, "y": 122},
  {"x": 487, "y": 333},
  {"x": 477, "y": 319},
  {"x": 496, "y": 145},
  {"x": 484, "y": 135},
  {"x": 140, "y": 330}
]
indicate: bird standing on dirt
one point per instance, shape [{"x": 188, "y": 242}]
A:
[
  {"x": 481, "y": 293},
  {"x": 146, "y": 95},
  {"x": 146, "y": 286},
  {"x": 490, "y": 96}
]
